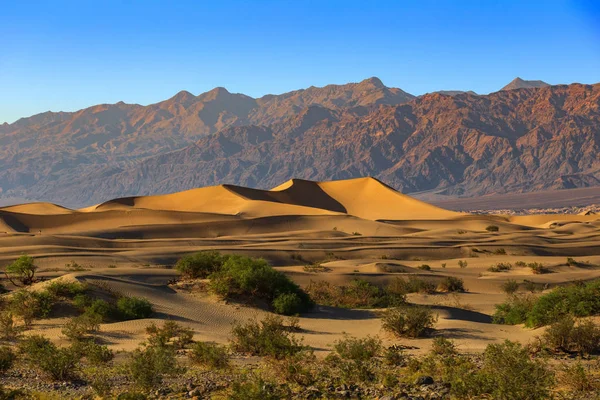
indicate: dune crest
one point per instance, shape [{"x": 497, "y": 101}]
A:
[{"x": 365, "y": 198}]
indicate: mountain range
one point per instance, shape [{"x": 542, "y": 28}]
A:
[{"x": 528, "y": 136}]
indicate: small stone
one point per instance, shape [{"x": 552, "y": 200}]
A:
[{"x": 424, "y": 380}]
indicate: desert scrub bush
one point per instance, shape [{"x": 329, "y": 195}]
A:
[
  {"x": 59, "y": 363},
  {"x": 443, "y": 347},
  {"x": 500, "y": 251},
  {"x": 537, "y": 268},
  {"x": 7, "y": 359},
  {"x": 300, "y": 368},
  {"x": 571, "y": 262},
  {"x": 359, "y": 293},
  {"x": 316, "y": 267},
  {"x": 133, "y": 308},
  {"x": 532, "y": 287},
  {"x": 100, "y": 309},
  {"x": 401, "y": 286},
  {"x": 580, "y": 300},
  {"x": 250, "y": 386},
  {"x": 575, "y": 379},
  {"x": 492, "y": 228},
  {"x": 22, "y": 270},
  {"x": 269, "y": 337},
  {"x": 510, "y": 286},
  {"x": 500, "y": 267},
  {"x": 462, "y": 263},
  {"x": 245, "y": 276},
  {"x": 424, "y": 267},
  {"x": 9, "y": 329},
  {"x": 521, "y": 264},
  {"x": 61, "y": 288},
  {"x": 508, "y": 372},
  {"x": 352, "y": 348},
  {"x": 288, "y": 304},
  {"x": 568, "y": 335},
  {"x": 171, "y": 334},
  {"x": 209, "y": 355},
  {"x": 147, "y": 366},
  {"x": 514, "y": 311},
  {"x": 29, "y": 305},
  {"x": 94, "y": 353},
  {"x": 200, "y": 265},
  {"x": 451, "y": 284},
  {"x": 409, "y": 321},
  {"x": 81, "y": 327}
]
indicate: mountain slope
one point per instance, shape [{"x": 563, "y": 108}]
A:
[{"x": 509, "y": 141}]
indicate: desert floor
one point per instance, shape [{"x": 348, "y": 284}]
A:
[{"x": 355, "y": 228}]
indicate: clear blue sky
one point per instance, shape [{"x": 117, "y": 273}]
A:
[{"x": 67, "y": 55}]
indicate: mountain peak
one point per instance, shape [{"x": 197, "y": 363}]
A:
[
  {"x": 373, "y": 81},
  {"x": 519, "y": 83},
  {"x": 183, "y": 97}
]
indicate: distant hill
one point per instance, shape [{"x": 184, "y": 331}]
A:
[{"x": 519, "y": 83}]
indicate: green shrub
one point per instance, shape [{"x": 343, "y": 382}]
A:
[
  {"x": 424, "y": 267},
  {"x": 492, "y": 228},
  {"x": 351, "y": 348},
  {"x": 81, "y": 327},
  {"x": 23, "y": 270},
  {"x": 253, "y": 387},
  {"x": 537, "y": 268},
  {"x": 288, "y": 304},
  {"x": 571, "y": 262},
  {"x": 509, "y": 373},
  {"x": 462, "y": 263},
  {"x": 514, "y": 311},
  {"x": 245, "y": 276},
  {"x": 521, "y": 264},
  {"x": 532, "y": 287},
  {"x": 209, "y": 355},
  {"x": 171, "y": 334},
  {"x": 147, "y": 366},
  {"x": 134, "y": 308},
  {"x": 81, "y": 301},
  {"x": 269, "y": 337},
  {"x": 9, "y": 330},
  {"x": 395, "y": 356},
  {"x": 409, "y": 321},
  {"x": 570, "y": 336},
  {"x": 510, "y": 286},
  {"x": 7, "y": 359},
  {"x": 359, "y": 293},
  {"x": 200, "y": 265},
  {"x": 579, "y": 300},
  {"x": 102, "y": 309},
  {"x": 61, "y": 288},
  {"x": 575, "y": 379},
  {"x": 30, "y": 305},
  {"x": 93, "y": 352},
  {"x": 443, "y": 347},
  {"x": 59, "y": 363},
  {"x": 451, "y": 284}
]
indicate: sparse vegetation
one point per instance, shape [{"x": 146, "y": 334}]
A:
[
  {"x": 269, "y": 337},
  {"x": 510, "y": 286},
  {"x": 462, "y": 263},
  {"x": 424, "y": 267},
  {"x": 569, "y": 335},
  {"x": 22, "y": 270},
  {"x": 500, "y": 267},
  {"x": 200, "y": 265},
  {"x": 492, "y": 228},
  {"x": 409, "y": 321},
  {"x": 400, "y": 286},
  {"x": 133, "y": 308},
  {"x": 209, "y": 355},
  {"x": 451, "y": 284},
  {"x": 243, "y": 276},
  {"x": 359, "y": 293}
]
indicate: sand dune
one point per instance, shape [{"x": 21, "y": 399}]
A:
[{"x": 355, "y": 228}]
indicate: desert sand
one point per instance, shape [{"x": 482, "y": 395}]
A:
[{"x": 356, "y": 228}]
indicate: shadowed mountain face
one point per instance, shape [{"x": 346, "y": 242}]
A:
[{"x": 464, "y": 144}]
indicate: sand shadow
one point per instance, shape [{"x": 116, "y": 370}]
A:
[
  {"x": 464, "y": 315},
  {"x": 460, "y": 333},
  {"x": 326, "y": 312}
]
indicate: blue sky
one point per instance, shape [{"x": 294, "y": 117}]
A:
[{"x": 67, "y": 55}]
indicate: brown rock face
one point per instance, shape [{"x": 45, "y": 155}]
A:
[
  {"x": 519, "y": 83},
  {"x": 508, "y": 141}
]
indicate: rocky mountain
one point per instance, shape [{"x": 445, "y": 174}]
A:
[
  {"x": 519, "y": 83},
  {"x": 458, "y": 144},
  {"x": 505, "y": 142},
  {"x": 60, "y": 146}
]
